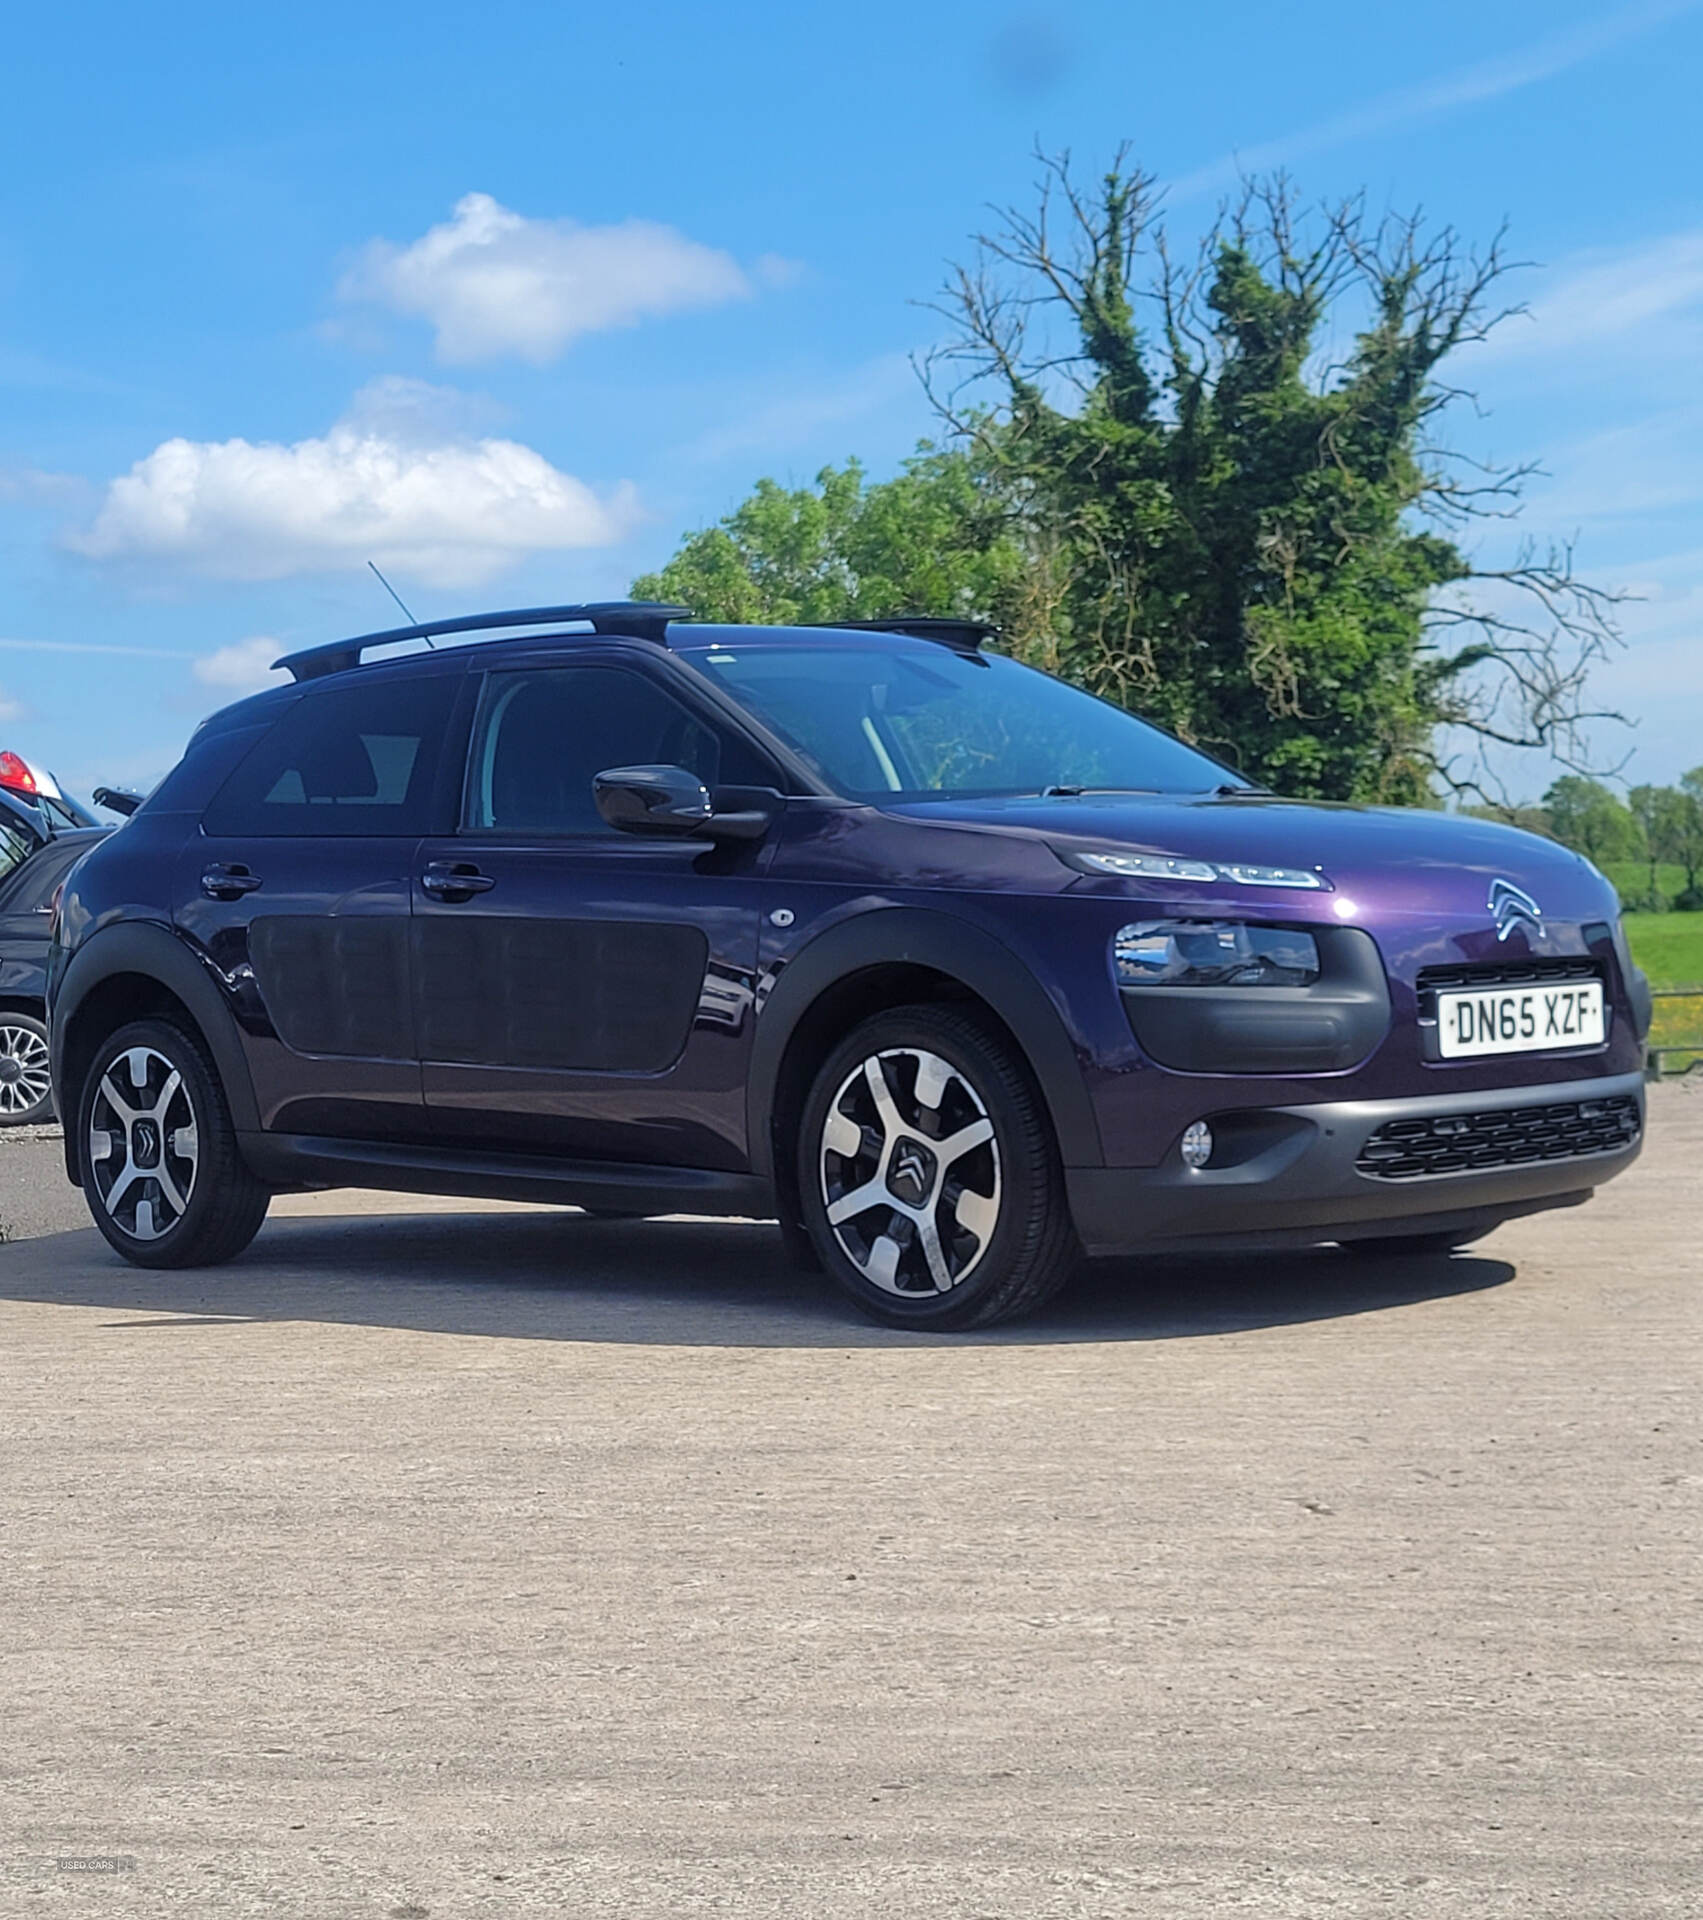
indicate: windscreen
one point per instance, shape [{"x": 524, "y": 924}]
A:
[{"x": 921, "y": 722}]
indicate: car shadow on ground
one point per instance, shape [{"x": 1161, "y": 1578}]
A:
[{"x": 564, "y": 1276}]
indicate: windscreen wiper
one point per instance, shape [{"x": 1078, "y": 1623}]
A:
[{"x": 1064, "y": 790}]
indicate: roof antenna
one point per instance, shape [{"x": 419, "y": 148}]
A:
[{"x": 401, "y": 603}]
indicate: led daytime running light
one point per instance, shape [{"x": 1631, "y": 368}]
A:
[{"x": 1168, "y": 866}]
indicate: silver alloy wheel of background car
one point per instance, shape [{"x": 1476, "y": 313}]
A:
[
  {"x": 144, "y": 1148},
  {"x": 24, "y": 1080},
  {"x": 910, "y": 1172}
]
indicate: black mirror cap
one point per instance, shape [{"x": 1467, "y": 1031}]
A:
[
  {"x": 118, "y": 800},
  {"x": 652, "y": 800}
]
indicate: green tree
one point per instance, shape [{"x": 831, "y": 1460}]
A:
[
  {"x": 1249, "y": 530},
  {"x": 1686, "y": 828},
  {"x": 936, "y": 539},
  {"x": 1657, "y": 811},
  {"x": 1586, "y": 816}
]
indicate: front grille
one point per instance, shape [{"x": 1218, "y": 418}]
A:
[
  {"x": 1501, "y": 973},
  {"x": 1508, "y": 1137}
]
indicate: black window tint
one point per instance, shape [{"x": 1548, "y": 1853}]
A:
[
  {"x": 16, "y": 846},
  {"x": 352, "y": 760},
  {"x": 544, "y": 735}
]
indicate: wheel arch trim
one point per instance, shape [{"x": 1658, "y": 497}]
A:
[
  {"x": 977, "y": 961},
  {"x": 157, "y": 954}
]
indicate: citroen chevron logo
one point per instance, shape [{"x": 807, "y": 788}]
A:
[
  {"x": 1512, "y": 907},
  {"x": 910, "y": 1169}
]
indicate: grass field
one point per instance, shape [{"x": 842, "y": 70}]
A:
[{"x": 1668, "y": 946}]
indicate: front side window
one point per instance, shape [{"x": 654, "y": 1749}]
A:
[
  {"x": 351, "y": 760},
  {"x": 918, "y": 721},
  {"x": 544, "y": 734}
]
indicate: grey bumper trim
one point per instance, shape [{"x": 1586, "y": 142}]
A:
[{"x": 1285, "y": 1177}]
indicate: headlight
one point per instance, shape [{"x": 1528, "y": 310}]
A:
[
  {"x": 1213, "y": 953},
  {"x": 1170, "y": 866}
]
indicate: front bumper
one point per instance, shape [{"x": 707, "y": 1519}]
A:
[{"x": 1287, "y": 1177}]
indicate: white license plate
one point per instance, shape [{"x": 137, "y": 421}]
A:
[{"x": 1521, "y": 1019}]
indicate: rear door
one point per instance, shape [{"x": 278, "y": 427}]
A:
[
  {"x": 578, "y": 991},
  {"x": 297, "y": 894}
]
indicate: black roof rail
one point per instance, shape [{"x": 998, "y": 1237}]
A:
[
  {"x": 632, "y": 619},
  {"x": 962, "y": 636}
]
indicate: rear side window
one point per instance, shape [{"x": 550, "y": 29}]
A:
[
  {"x": 543, "y": 736},
  {"x": 351, "y": 760}
]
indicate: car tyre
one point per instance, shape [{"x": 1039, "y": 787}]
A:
[
  {"x": 163, "y": 1175},
  {"x": 26, "y": 1092},
  {"x": 928, "y": 1117}
]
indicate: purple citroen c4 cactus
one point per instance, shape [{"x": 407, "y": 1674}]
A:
[{"x": 950, "y": 968}]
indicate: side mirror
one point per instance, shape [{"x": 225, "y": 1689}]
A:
[
  {"x": 117, "y": 800},
  {"x": 652, "y": 800}
]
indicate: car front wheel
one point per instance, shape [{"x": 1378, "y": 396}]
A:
[
  {"x": 929, "y": 1176},
  {"x": 162, "y": 1172}
]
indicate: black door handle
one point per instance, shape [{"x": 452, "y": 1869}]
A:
[
  {"x": 220, "y": 882},
  {"x": 455, "y": 880}
]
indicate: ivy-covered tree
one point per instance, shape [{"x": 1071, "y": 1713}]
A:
[{"x": 1247, "y": 529}]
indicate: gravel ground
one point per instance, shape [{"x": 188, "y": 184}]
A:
[{"x": 473, "y": 1560}]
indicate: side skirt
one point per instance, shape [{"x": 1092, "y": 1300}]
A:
[{"x": 294, "y": 1161}]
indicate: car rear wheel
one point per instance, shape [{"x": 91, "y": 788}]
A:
[
  {"x": 929, "y": 1176},
  {"x": 26, "y": 1091},
  {"x": 162, "y": 1172}
]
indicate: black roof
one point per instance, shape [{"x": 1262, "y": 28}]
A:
[
  {"x": 632, "y": 619},
  {"x": 620, "y": 619}
]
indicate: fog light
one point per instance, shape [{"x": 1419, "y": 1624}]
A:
[{"x": 1197, "y": 1144}]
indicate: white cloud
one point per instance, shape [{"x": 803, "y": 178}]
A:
[
  {"x": 32, "y": 486},
  {"x": 94, "y": 646},
  {"x": 786, "y": 415},
  {"x": 10, "y": 709},
  {"x": 245, "y": 666},
  {"x": 1473, "y": 85},
  {"x": 1604, "y": 296},
  {"x": 1646, "y": 468},
  {"x": 446, "y": 511},
  {"x": 493, "y": 282}
]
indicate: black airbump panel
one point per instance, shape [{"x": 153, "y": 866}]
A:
[
  {"x": 334, "y": 984},
  {"x": 590, "y": 996}
]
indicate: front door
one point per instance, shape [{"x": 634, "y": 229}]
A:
[
  {"x": 297, "y": 893},
  {"x": 581, "y": 992}
]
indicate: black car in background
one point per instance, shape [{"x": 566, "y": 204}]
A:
[{"x": 33, "y": 864}]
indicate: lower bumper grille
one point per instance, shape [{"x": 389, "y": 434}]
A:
[{"x": 1508, "y": 1137}]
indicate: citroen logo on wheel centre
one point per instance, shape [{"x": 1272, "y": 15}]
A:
[
  {"x": 911, "y": 1171},
  {"x": 1512, "y": 907}
]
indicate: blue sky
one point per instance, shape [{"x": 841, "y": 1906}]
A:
[{"x": 511, "y": 297}]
